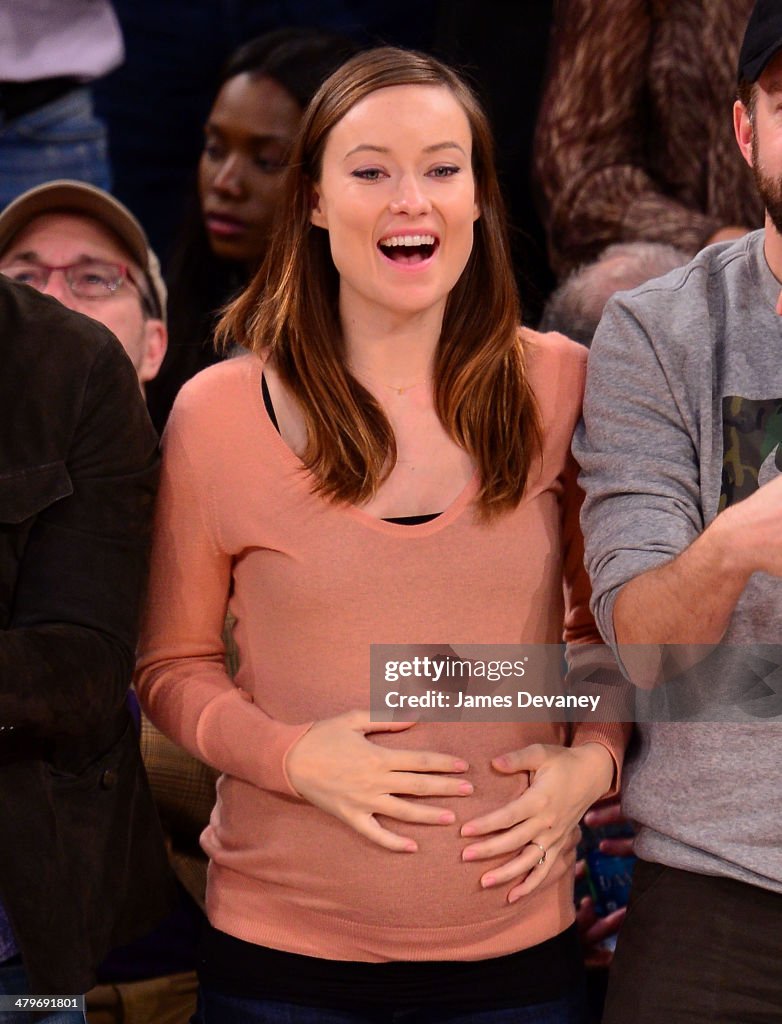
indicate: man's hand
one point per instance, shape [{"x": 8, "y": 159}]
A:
[
  {"x": 753, "y": 526},
  {"x": 594, "y": 930},
  {"x": 680, "y": 603},
  {"x": 610, "y": 813}
]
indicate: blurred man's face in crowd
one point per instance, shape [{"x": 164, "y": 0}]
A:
[{"x": 67, "y": 239}]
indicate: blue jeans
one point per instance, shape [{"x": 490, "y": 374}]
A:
[
  {"x": 216, "y": 1008},
  {"x": 63, "y": 139},
  {"x": 13, "y": 982}
]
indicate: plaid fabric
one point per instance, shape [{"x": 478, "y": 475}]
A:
[{"x": 184, "y": 792}]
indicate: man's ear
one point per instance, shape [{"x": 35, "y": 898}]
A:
[
  {"x": 317, "y": 210},
  {"x": 155, "y": 345},
  {"x": 744, "y": 129}
]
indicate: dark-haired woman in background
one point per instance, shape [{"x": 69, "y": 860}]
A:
[
  {"x": 390, "y": 464},
  {"x": 263, "y": 90}
]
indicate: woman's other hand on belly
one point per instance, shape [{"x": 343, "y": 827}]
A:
[{"x": 538, "y": 825}]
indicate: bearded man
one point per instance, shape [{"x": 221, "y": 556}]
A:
[{"x": 680, "y": 448}]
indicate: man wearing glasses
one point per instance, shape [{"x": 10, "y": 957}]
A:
[
  {"x": 82, "y": 863},
  {"x": 79, "y": 244}
]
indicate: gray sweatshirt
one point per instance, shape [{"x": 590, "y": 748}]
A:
[{"x": 682, "y": 417}]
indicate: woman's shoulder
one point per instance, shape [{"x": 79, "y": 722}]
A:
[
  {"x": 556, "y": 365},
  {"x": 219, "y": 390},
  {"x": 553, "y": 345}
]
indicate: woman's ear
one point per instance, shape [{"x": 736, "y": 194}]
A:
[{"x": 317, "y": 209}]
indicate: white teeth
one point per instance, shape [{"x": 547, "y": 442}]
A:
[{"x": 408, "y": 240}]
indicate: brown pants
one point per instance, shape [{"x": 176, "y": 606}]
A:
[
  {"x": 696, "y": 949},
  {"x": 167, "y": 1000}
]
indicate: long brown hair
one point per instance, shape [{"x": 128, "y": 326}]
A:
[{"x": 290, "y": 311}]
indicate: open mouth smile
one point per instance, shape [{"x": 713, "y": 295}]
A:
[{"x": 409, "y": 250}]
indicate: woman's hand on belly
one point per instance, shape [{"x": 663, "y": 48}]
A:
[
  {"x": 538, "y": 825},
  {"x": 335, "y": 767}
]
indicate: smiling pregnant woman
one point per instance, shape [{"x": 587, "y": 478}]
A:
[{"x": 390, "y": 464}]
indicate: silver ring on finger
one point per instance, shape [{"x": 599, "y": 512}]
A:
[{"x": 542, "y": 849}]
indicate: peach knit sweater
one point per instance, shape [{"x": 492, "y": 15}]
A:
[{"x": 313, "y": 584}]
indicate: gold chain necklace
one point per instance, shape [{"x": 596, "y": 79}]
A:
[
  {"x": 394, "y": 387},
  {"x": 407, "y": 387}
]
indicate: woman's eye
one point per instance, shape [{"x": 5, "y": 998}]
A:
[
  {"x": 268, "y": 165},
  {"x": 444, "y": 171},
  {"x": 213, "y": 151},
  {"x": 368, "y": 174}
]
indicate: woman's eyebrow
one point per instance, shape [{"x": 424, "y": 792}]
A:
[
  {"x": 365, "y": 146},
  {"x": 444, "y": 145}
]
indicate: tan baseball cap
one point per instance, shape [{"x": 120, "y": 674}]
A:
[{"x": 66, "y": 196}]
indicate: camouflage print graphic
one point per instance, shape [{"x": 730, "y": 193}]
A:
[{"x": 751, "y": 435}]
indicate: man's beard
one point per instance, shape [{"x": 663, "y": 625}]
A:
[{"x": 770, "y": 189}]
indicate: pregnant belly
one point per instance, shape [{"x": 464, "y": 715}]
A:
[{"x": 299, "y": 854}]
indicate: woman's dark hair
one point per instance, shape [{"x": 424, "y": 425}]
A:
[
  {"x": 290, "y": 312},
  {"x": 299, "y": 59},
  {"x": 199, "y": 283}
]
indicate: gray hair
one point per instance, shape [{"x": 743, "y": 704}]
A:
[{"x": 575, "y": 307}]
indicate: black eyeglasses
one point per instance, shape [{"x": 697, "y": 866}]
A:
[{"x": 88, "y": 279}]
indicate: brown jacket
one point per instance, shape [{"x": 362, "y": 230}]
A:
[
  {"x": 82, "y": 862},
  {"x": 635, "y": 136}
]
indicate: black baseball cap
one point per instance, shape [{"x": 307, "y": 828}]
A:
[{"x": 762, "y": 40}]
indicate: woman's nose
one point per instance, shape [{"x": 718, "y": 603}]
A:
[
  {"x": 410, "y": 197},
  {"x": 229, "y": 178}
]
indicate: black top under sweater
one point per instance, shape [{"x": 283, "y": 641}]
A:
[
  {"x": 540, "y": 974},
  {"x": 401, "y": 520}
]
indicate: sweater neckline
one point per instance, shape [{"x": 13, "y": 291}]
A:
[
  {"x": 274, "y": 438},
  {"x": 770, "y": 287}
]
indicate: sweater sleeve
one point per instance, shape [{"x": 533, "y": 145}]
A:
[
  {"x": 181, "y": 677},
  {"x": 590, "y": 165},
  {"x": 588, "y": 658},
  {"x": 636, "y": 447}
]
